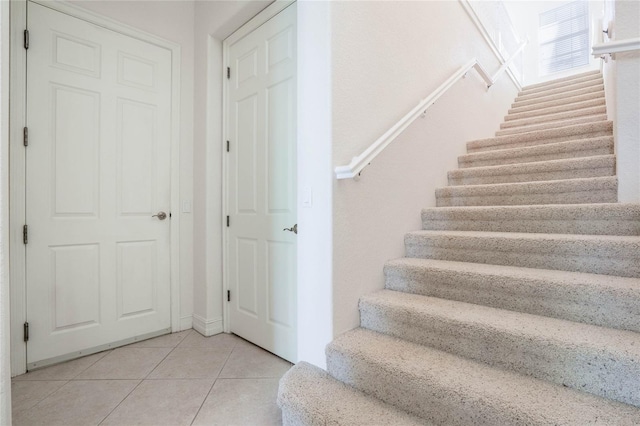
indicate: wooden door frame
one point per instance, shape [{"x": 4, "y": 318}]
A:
[
  {"x": 17, "y": 116},
  {"x": 261, "y": 18}
]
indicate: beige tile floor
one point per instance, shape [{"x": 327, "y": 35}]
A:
[{"x": 177, "y": 379}]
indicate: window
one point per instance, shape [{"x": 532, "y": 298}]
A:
[{"x": 564, "y": 37}]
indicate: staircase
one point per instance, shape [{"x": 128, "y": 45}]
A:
[{"x": 519, "y": 300}]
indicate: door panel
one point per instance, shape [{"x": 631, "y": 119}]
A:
[
  {"x": 98, "y": 168},
  {"x": 261, "y": 179}
]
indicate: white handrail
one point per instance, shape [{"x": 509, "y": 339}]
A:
[
  {"x": 616, "y": 46},
  {"x": 507, "y": 64},
  {"x": 487, "y": 38},
  {"x": 361, "y": 161}
]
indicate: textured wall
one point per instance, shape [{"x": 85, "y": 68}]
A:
[
  {"x": 386, "y": 57},
  {"x": 627, "y": 101}
]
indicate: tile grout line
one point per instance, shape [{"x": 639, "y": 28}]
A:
[
  {"x": 139, "y": 383},
  {"x": 214, "y": 382},
  {"x": 47, "y": 395}
]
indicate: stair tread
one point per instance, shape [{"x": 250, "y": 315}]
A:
[
  {"x": 609, "y": 211},
  {"x": 565, "y": 88},
  {"x": 614, "y": 240},
  {"x": 566, "y": 93},
  {"x": 598, "y": 360},
  {"x": 598, "y": 144},
  {"x": 598, "y": 254},
  {"x": 535, "y": 166},
  {"x": 542, "y": 135},
  {"x": 604, "y": 300},
  {"x": 556, "y": 186},
  {"x": 496, "y": 395},
  {"x": 545, "y": 330},
  {"x": 319, "y": 399},
  {"x": 557, "y": 102},
  {"x": 562, "y": 80},
  {"x": 591, "y": 219},
  {"x": 554, "y": 117},
  {"x": 546, "y": 126},
  {"x": 570, "y": 278},
  {"x": 555, "y": 109}
]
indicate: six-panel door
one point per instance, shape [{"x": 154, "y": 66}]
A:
[
  {"x": 261, "y": 182},
  {"x": 98, "y": 169}
]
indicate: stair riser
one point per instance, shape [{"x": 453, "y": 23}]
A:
[
  {"x": 554, "y": 118},
  {"x": 526, "y": 141},
  {"x": 588, "y": 369},
  {"x": 572, "y": 191},
  {"x": 558, "y": 102},
  {"x": 521, "y": 102},
  {"x": 561, "y": 81},
  {"x": 523, "y": 96},
  {"x": 567, "y": 173},
  {"x": 583, "y": 302},
  {"x": 308, "y": 395},
  {"x": 546, "y": 126},
  {"x": 545, "y": 112},
  {"x": 445, "y": 389},
  {"x": 576, "y": 149},
  {"x": 430, "y": 401},
  {"x": 579, "y": 197},
  {"x": 622, "y": 261},
  {"x": 592, "y": 227}
]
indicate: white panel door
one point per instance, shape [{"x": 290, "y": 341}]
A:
[
  {"x": 98, "y": 168},
  {"x": 261, "y": 179}
]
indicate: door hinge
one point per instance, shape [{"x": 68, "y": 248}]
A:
[
  {"x": 228, "y": 146},
  {"x": 228, "y": 295},
  {"x": 228, "y": 73},
  {"x": 25, "y": 136},
  {"x": 26, "y": 39},
  {"x": 228, "y": 221},
  {"x": 25, "y": 234},
  {"x": 26, "y": 331}
]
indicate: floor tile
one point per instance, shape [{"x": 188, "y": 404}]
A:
[
  {"x": 27, "y": 393},
  {"x": 167, "y": 341},
  {"x": 222, "y": 340},
  {"x": 248, "y": 360},
  {"x": 77, "y": 403},
  {"x": 192, "y": 363},
  {"x": 65, "y": 371},
  {"x": 240, "y": 402},
  {"x": 126, "y": 363},
  {"x": 161, "y": 402}
]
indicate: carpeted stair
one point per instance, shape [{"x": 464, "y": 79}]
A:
[{"x": 518, "y": 303}]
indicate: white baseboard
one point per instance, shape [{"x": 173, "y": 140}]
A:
[
  {"x": 186, "y": 323},
  {"x": 207, "y": 327}
]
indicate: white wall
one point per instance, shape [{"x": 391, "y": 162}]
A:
[
  {"x": 214, "y": 21},
  {"x": 625, "y": 68},
  {"x": 386, "y": 56},
  {"x": 173, "y": 21},
  {"x": 5, "y": 299},
  {"x": 315, "y": 179},
  {"x": 525, "y": 16},
  {"x": 609, "y": 67}
]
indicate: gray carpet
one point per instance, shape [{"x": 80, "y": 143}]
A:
[{"x": 518, "y": 303}]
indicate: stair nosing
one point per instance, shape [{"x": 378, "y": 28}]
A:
[{"x": 481, "y": 385}]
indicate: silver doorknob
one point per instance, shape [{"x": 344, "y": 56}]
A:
[
  {"x": 160, "y": 215},
  {"x": 293, "y": 229}
]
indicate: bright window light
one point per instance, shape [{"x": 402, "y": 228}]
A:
[{"x": 564, "y": 37}]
